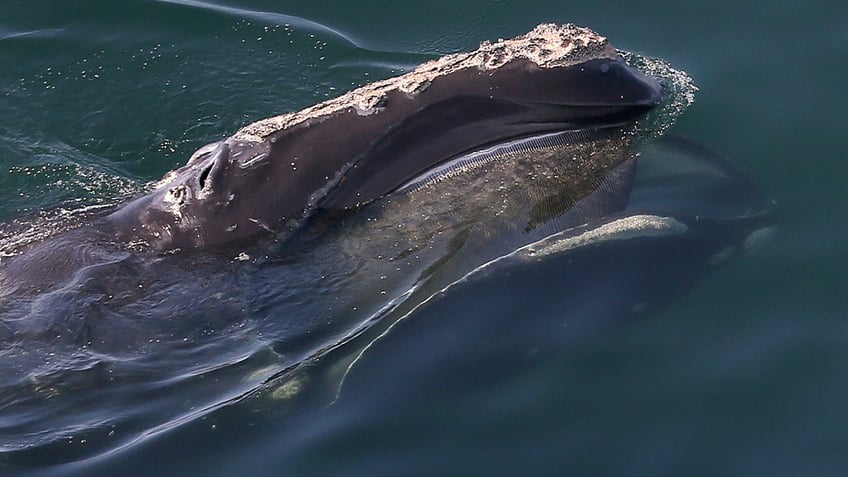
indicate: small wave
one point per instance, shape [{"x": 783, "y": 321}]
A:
[
  {"x": 390, "y": 61},
  {"x": 40, "y": 33},
  {"x": 679, "y": 89},
  {"x": 266, "y": 17},
  {"x": 71, "y": 186}
]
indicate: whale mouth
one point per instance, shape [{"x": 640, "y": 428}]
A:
[
  {"x": 599, "y": 94},
  {"x": 466, "y": 163}
]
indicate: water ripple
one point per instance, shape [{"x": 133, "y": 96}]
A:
[{"x": 266, "y": 17}]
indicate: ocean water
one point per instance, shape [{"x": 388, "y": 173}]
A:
[{"x": 739, "y": 375}]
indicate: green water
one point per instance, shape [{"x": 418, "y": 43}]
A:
[{"x": 741, "y": 376}]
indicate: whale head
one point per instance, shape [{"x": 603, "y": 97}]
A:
[{"x": 274, "y": 174}]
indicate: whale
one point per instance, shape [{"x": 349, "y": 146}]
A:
[{"x": 302, "y": 241}]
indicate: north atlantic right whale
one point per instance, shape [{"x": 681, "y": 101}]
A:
[{"x": 305, "y": 237}]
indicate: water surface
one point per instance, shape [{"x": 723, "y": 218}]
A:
[{"x": 739, "y": 376}]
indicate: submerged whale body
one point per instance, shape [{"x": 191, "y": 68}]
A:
[{"x": 308, "y": 236}]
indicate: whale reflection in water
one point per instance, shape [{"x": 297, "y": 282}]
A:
[{"x": 521, "y": 178}]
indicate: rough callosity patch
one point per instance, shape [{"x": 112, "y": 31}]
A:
[{"x": 548, "y": 45}]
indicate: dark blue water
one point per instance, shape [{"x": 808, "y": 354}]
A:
[{"x": 739, "y": 375}]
